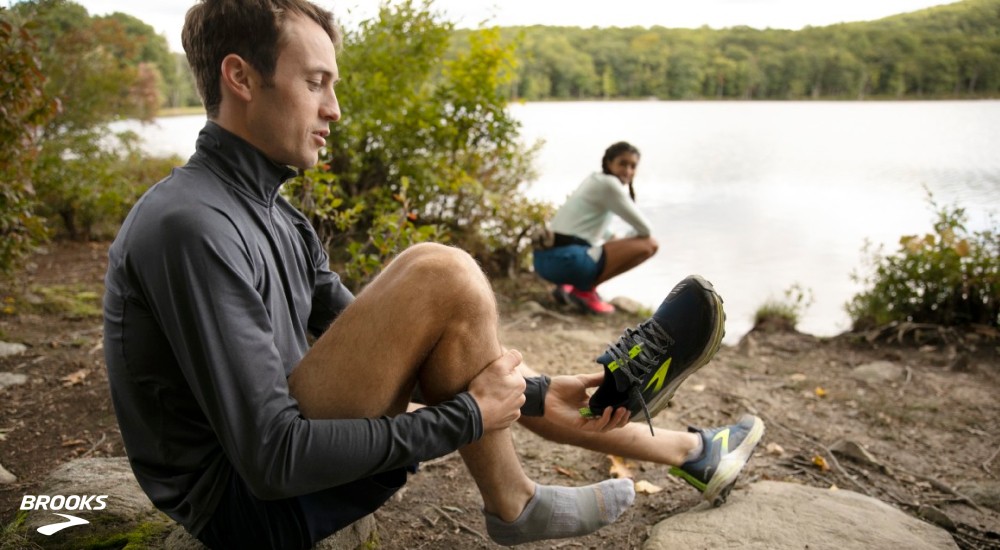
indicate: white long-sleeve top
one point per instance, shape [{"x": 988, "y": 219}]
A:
[{"x": 589, "y": 210}]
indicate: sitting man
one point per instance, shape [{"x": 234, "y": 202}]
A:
[{"x": 239, "y": 430}]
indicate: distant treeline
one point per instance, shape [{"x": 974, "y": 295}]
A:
[{"x": 950, "y": 51}]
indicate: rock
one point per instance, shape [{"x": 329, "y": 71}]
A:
[
  {"x": 7, "y": 349},
  {"x": 8, "y": 379},
  {"x": 937, "y": 517},
  {"x": 878, "y": 372},
  {"x": 129, "y": 518},
  {"x": 628, "y": 305},
  {"x": 748, "y": 345},
  {"x": 774, "y": 515},
  {"x": 6, "y": 478},
  {"x": 856, "y": 452},
  {"x": 532, "y": 306},
  {"x": 983, "y": 493}
]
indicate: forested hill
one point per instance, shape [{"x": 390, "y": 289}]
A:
[{"x": 950, "y": 51}]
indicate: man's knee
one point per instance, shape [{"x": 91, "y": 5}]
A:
[{"x": 441, "y": 266}]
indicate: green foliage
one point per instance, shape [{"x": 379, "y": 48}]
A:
[
  {"x": 950, "y": 277},
  {"x": 946, "y": 51},
  {"x": 25, "y": 108},
  {"x": 76, "y": 301},
  {"x": 99, "y": 69},
  {"x": 86, "y": 189},
  {"x": 784, "y": 313},
  {"x": 425, "y": 151}
]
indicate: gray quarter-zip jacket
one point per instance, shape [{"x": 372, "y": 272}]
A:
[{"x": 213, "y": 283}]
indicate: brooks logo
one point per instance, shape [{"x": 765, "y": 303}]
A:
[{"x": 60, "y": 502}]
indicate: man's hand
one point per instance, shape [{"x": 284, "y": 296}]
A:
[
  {"x": 568, "y": 394},
  {"x": 499, "y": 392}
]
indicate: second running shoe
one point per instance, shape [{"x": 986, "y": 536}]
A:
[
  {"x": 724, "y": 453},
  {"x": 647, "y": 364}
]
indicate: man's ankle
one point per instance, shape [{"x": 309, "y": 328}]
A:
[{"x": 509, "y": 503}]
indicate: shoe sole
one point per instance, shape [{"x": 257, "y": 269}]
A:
[
  {"x": 583, "y": 307},
  {"x": 659, "y": 402},
  {"x": 730, "y": 466}
]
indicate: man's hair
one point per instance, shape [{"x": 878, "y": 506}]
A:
[{"x": 251, "y": 29}]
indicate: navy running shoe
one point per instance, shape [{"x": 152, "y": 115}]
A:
[
  {"x": 647, "y": 364},
  {"x": 726, "y": 451}
]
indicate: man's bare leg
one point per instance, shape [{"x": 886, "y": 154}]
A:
[{"x": 430, "y": 319}]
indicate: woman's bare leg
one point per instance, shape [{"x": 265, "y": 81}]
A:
[{"x": 622, "y": 255}]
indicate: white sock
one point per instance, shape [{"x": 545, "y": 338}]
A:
[{"x": 561, "y": 512}]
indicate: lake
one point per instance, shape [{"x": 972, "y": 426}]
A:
[{"x": 758, "y": 196}]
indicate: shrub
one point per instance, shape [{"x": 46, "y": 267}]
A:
[
  {"x": 784, "y": 314},
  {"x": 949, "y": 277},
  {"x": 87, "y": 187},
  {"x": 25, "y": 109},
  {"x": 425, "y": 150}
]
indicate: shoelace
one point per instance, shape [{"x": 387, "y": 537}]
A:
[{"x": 652, "y": 341}]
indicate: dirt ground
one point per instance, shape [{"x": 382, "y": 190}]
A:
[{"x": 931, "y": 432}]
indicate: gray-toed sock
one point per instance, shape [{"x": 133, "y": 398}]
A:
[{"x": 561, "y": 512}]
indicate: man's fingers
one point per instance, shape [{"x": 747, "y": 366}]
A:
[
  {"x": 591, "y": 380},
  {"x": 511, "y": 359}
]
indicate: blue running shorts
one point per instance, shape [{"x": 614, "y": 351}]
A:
[{"x": 572, "y": 264}]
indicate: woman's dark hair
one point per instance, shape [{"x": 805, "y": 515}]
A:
[{"x": 613, "y": 152}]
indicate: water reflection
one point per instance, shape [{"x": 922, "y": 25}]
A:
[{"x": 758, "y": 195}]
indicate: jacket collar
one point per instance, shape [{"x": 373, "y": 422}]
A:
[{"x": 240, "y": 164}]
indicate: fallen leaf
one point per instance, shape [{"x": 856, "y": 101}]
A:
[
  {"x": 618, "y": 468},
  {"x": 646, "y": 487},
  {"x": 820, "y": 392},
  {"x": 775, "y": 449},
  {"x": 567, "y": 472},
  {"x": 820, "y": 462},
  {"x": 73, "y": 442},
  {"x": 75, "y": 378}
]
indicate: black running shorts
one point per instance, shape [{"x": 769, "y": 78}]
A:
[{"x": 242, "y": 520}]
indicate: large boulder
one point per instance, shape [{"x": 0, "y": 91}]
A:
[
  {"x": 776, "y": 516},
  {"x": 124, "y": 516}
]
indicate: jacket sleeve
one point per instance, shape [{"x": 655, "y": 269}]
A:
[{"x": 200, "y": 286}]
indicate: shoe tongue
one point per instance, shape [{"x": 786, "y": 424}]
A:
[{"x": 621, "y": 380}]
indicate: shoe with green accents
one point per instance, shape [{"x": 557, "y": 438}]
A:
[
  {"x": 726, "y": 451},
  {"x": 649, "y": 362}
]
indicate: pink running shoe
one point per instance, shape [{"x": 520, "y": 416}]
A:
[{"x": 591, "y": 302}]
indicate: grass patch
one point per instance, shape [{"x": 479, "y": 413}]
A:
[
  {"x": 74, "y": 301},
  {"x": 776, "y": 315},
  {"x": 12, "y": 535}
]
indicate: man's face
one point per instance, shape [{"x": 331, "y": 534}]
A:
[{"x": 290, "y": 119}]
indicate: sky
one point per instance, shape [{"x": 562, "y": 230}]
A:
[{"x": 167, "y": 16}]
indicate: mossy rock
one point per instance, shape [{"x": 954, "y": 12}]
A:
[{"x": 129, "y": 520}]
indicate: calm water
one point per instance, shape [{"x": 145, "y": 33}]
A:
[{"x": 757, "y": 196}]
